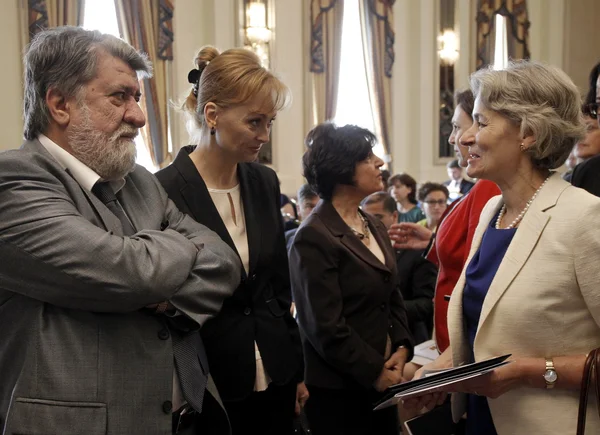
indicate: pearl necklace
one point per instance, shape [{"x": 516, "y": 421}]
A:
[{"x": 520, "y": 216}]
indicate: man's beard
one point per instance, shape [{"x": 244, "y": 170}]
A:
[{"x": 104, "y": 153}]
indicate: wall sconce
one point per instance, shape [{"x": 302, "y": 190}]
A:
[
  {"x": 448, "y": 47},
  {"x": 257, "y": 31}
]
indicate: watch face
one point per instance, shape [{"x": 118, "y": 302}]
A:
[{"x": 550, "y": 376}]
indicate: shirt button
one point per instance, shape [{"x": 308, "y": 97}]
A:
[
  {"x": 383, "y": 307},
  {"x": 247, "y": 311},
  {"x": 167, "y": 407},
  {"x": 163, "y": 334},
  {"x": 386, "y": 278}
]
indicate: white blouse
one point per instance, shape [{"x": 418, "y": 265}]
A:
[
  {"x": 231, "y": 209},
  {"x": 229, "y": 205}
]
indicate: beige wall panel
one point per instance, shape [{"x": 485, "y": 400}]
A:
[{"x": 11, "y": 133}]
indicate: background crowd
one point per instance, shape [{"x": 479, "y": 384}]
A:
[{"x": 202, "y": 300}]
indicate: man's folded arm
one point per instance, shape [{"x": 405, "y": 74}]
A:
[
  {"x": 115, "y": 274},
  {"x": 215, "y": 276},
  {"x": 216, "y": 272}
]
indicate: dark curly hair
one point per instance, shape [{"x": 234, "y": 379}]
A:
[
  {"x": 591, "y": 95},
  {"x": 427, "y": 188},
  {"x": 332, "y": 155}
]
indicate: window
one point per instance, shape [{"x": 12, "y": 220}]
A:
[
  {"x": 101, "y": 15},
  {"x": 353, "y": 103},
  {"x": 501, "y": 42}
]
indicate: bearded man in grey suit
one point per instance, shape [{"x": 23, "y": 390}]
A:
[{"x": 103, "y": 282}]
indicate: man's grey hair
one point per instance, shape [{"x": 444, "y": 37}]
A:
[
  {"x": 540, "y": 99},
  {"x": 65, "y": 58}
]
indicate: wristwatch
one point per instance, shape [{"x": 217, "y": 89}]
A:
[{"x": 550, "y": 375}]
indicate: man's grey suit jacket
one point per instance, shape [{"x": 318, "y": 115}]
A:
[{"x": 78, "y": 354}]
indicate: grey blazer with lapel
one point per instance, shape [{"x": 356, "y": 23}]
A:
[{"x": 79, "y": 353}]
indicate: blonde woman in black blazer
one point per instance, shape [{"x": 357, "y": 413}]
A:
[
  {"x": 253, "y": 345},
  {"x": 351, "y": 314}
]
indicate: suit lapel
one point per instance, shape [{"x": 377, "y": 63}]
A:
[
  {"x": 384, "y": 243},
  {"x": 250, "y": 199},
  {"x": 456, "y": 327},
  {"x": 338, "y": 228},
  {"x": 197, "y": 198},
  {"x": 524, "y": 241},
  {"x": 108, "y": 219},
  {"x": 361, "y": 251},
  {"x": 132, "y": 201}
]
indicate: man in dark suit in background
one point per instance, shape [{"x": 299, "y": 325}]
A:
[
  {"x": 307, "y": 201},
  {"x": 457, "y": 185},
  {"x": 587, "y": 174},
  {"x": 416, "y": 275},
  {"x": 105, "y": 283}
]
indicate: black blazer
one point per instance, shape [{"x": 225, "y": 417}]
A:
[
  {"x": 417, "y": 277},
  {"x": 587, "y": 175},
  {"x": 347, "y": 301},
  {"x": 259, "y": 309},
  {"x": 465, "y": 185}
]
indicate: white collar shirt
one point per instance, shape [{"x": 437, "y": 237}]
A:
[{"x": 85, "y": 176}]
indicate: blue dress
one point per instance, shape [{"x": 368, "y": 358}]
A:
[{"x": 479, "y": 275}]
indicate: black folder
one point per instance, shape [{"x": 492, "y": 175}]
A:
[{"x": 438, "y": 379}]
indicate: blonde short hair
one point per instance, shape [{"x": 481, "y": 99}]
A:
[
  {"x": 542, "y": 100},
  {"x": 231, "y": 78}
]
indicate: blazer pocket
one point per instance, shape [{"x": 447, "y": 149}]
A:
[
  {"x": 275, "y": 308},
  {"x": 29, "y": 416}
]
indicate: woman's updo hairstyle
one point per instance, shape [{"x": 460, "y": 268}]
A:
[{"x": 229, "y": 79}]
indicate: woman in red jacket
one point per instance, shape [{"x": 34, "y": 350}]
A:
[{"x": 451, "y": 244}]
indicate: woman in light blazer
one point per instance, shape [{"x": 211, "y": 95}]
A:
[{"x": 531, "y": 286}]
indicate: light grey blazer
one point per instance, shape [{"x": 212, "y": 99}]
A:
[
  {"x": 78, "y": 355},
  {"x": 544, "y": 301}
]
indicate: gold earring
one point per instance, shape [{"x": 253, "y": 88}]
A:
[{"x": 522, "y": 147}]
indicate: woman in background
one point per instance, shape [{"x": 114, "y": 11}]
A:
[
  {"x": 403, "y": 189},
  {"x": 253, "y": 345},
  {"x": 434, "y": 198},
  {"x": 587, "y": 174},
  {"x": 589, "y": 146}
]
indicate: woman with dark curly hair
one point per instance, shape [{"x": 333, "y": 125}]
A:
[
  {"x": 434, "y": 197},
  {"x": 351, "y": 314}
]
